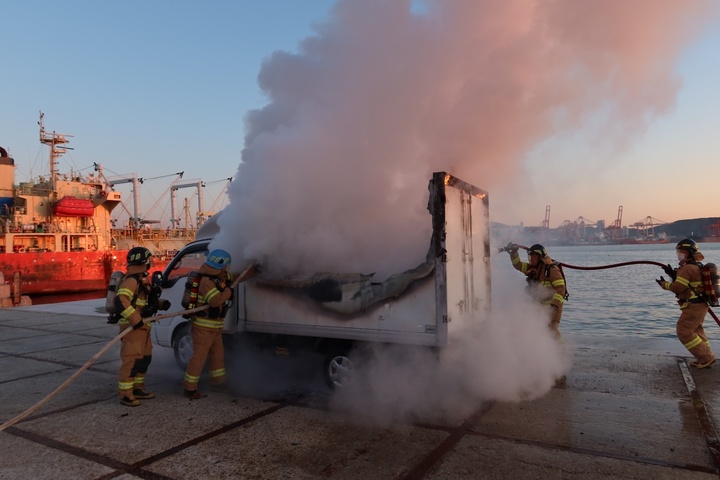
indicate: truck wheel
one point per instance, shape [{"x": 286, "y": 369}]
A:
[
  {"x": 182, "y": 345},
  {"x": 338, "y": 369}
]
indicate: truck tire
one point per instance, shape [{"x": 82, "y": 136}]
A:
[
  {"x": 338, "y": 369},
  {"x": 182, "y": 345}
]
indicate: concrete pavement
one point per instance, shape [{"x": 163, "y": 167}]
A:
[{"x": 632, "y": 411}]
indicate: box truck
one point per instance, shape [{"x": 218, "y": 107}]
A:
[{"x": 335, "y": 314}]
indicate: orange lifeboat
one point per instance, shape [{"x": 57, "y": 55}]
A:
[{"x": 73, "y": 207}]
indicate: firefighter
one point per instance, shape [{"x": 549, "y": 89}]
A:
[
  {"x": 545, "y": 281},
  {"x": 686, "y": 284},
  {"x": 207, "y": 326},
  {"x": 136, "y": 347}
]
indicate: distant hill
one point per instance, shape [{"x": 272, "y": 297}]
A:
[
  {"x": 692, "y": 227},
  {"x": 696, "y": 228}
]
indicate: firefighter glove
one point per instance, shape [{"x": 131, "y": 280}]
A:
[
  {"x": 512, "y": 248},
  {"x": 138, "y": 325},
  {"x": 661, "y": 281},
  {"x": 150, "y": 310},
  {"x": 670, "y": 271},
  {"x": 164, "y": 305}
]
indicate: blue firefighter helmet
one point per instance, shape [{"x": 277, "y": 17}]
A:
[{"x": 218, "y": 259}]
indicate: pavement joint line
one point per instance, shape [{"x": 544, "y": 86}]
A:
[
  {"x": 595, "y": 453},
  {"x": 75, "y": 345},
  {"x": 52, "y": 362},
  {"x": 132, "y": 469},
  {"x": 62, "y": 410},
  {"x": 64, "y": 447},
  {"x": 27, "y": 377},
  {"x": 703, "y": 416},
  {"x": 423, "y": 467},
  {"x": 50, "y": 332}
]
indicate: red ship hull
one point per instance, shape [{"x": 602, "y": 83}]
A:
[{"x": 64, "y": 272}]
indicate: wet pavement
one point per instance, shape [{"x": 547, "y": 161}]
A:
[{"x": 631, "y": 410}]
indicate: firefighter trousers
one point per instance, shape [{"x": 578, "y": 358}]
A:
[
  {"x": 691, "y": 333},
  {"x": 555, "y": 316},
  {"x": 207, "y": 345},
  {"x": 135, "y": 357}
]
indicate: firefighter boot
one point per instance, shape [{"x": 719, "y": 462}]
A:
[
  {"x": 142, "y": 394},
  {"x": 703, "y": 355},
  {"x": 192, "y": 394},
  {"x": 130, "y": 402}
]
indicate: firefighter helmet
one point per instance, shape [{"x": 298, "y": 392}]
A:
[
  {"x": 688, "y": 244},
  {"x": 218, "y": 259},
  {"x": 138, "y": 256},
  {"x": 537, "y": 249}
]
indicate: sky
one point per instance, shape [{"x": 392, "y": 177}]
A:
[{"x": 341, "y": 110}]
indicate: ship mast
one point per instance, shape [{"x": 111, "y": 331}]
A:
[{"x": 56, "y": 142}]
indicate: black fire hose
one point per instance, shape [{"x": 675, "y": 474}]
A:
[{"x": 614, "y": 265}]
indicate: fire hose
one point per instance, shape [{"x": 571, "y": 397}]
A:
[
  {"x": 243, "y": 276},
  {"x": 615, "y": 265}
]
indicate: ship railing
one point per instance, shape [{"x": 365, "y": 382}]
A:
[{"x": 155, "y": 234}]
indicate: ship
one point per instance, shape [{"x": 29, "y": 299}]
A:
[{"x": 56, "y": 230}]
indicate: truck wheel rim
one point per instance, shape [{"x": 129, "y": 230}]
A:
[{"x": 341, "y": 371}]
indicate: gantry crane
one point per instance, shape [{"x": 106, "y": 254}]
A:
[
  {"x": 574, "y": 231},
  {"x": 541, "y": 232},
  {"x": 614, "y": 231},
  {"x": 646, "y": 226}
]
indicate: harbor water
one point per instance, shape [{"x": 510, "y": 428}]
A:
[
  {"x": 617, "y": 301},
  {"x": 623, "y": 301}
]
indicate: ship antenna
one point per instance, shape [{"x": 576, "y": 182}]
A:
[{"x": 57, "y": 143}]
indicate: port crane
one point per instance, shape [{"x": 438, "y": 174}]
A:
[
  {"x": 646, "y": 226},
  {"x": 541, "y": 232},
  {"x": 614, "y": 230},
  {"x": 198, "y": 184},
  {"x": 575, "y": 231}
]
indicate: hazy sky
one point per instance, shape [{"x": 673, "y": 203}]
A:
[{"x": 595, "y": 105}]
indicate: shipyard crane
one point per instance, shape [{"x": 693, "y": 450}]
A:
[
  {"x": 574, "y": 231},
  {"x": 712, "y": 230},
  {"x": 197, "y": 183},
  {"x": 133, "y": 178},
  {"x": 213, "y": 207},
  {"x": 646, "y": 225},
  {"x": 546, "y": 222},
  {"x": 614, "y": 231},
  {"x": 541, "y": 232}
]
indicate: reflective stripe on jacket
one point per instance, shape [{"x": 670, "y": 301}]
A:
[
  {"x": 687, "y": 284},
  {"x": 209, "y": 294},
  {"x": 551, "y": 285},
  {"x": 132, "y": 311}
]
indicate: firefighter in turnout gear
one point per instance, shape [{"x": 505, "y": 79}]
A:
[
  {"x": 136, "y": 347},
  {"x": 207, "y": 326},
  {"x": 686, "y": 284},
  {"x": 545, "y": 281}
]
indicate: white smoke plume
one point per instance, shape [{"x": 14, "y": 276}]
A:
[{"x": 335, "y": 167}]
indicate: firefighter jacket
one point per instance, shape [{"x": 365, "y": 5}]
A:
[
  {"x": 133, "y": 294},
  {"x": 687, "y": 284},
  {"x": 546, "y": 283},
  {"x": 213, "y": 290}
]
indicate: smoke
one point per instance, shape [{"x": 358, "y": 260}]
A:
[
  {"x": 335, "y": 166},
  {"x": 509, "y": 356}
]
